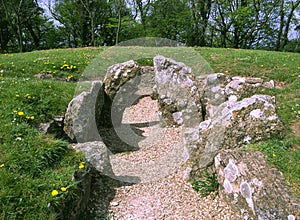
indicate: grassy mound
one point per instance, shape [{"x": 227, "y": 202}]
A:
[{"x": 36, "y": 170}]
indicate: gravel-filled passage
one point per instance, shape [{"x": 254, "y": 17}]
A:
[{"x": 166, "y": 197}]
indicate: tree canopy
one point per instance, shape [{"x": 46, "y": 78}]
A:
[{"x": 271, "y": 24}]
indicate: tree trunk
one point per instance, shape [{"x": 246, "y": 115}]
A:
[
  {"x": 20, "y": 38},
  {"x": 93, "y": 42},
  {"x": 279, "y": 36},
  {"x": 288, "y": 23},
  {"x": 119, "y": 26},
  {"x": 35, "y": 38}
]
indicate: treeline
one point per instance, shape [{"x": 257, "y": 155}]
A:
[{"x": 266, "y": 24}]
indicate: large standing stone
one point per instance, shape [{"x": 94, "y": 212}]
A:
[
  {"x": 178, "y": 95},
  {"x": 80, "y": 119},
  {"x": 254, "y": 188}
]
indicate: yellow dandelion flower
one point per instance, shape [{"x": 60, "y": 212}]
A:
[
  {"x": 64, "y": 189},
  {"x": 274, "y": 155},
  {"x": 20, "y": 113},
  {"x": 28, "y": 96},
  {"x": 81, "y": 165},
  {"x": 17, "y": 95},
  {"x": 2, "y": 165},
  {"x": 27, "y": 117},
  {"x": 15, "y": 111},
  {"x": 32, "y": 117},
  {"x": 54, "y": 192},
  {"x": 69, "y": 77}
]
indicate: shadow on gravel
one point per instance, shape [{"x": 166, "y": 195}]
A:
[{"x": 103, "y": 191}]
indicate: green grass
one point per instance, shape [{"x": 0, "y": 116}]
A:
[
  {"x": 278, "y": 66},
  {"x": 32, "y": 164},
  {"x": 206, "y": 185}
]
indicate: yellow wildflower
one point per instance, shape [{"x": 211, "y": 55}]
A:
[
  {"x": 28, "y": 96},
  {"x": 54, "y": 192},
  {"x": 17, "y": 95},
  {"x": 69, "y": 77},
  {"x": 32, "y": 117},
  {"x": 81, "y": 165},
  {"x": 274, "y": 155},
  {"x": 64, "y": 189},
  {"x": 20, "y": 113},
  {"x": 15, "y": 111},
  {"x": 2, "y": 165}
]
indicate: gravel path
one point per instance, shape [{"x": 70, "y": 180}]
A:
[
  {"x": 161, "y": 191},
  {"x": 167, "y": 198}
]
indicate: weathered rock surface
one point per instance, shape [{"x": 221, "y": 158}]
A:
[
  {"x": 118, "y": 74},
  {"x": 253, "y": 187},
  {"x": 218, "y": 88},
  {"x": 54, "y": 126},
  {"x": 73, "y": 209},
  {"x": 177, "y": 92},
  {"x": 234, "y": 124},
  {"x": 80, "y": 119},
  {"x": 44, "y": 75},
  {"x": 96, "y": 154}
]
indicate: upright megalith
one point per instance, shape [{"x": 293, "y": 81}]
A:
[
  {"x": 79, "y": 123},
  {"x": 177, "y": 93}
]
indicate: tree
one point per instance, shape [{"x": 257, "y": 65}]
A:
[
  {"x": 5, "y": 34},
  {"x": 287, "y": 9},
  {"x": 23, "y": 19},
  {"x": 169, "y": 19},
  {"x": 201, "y": 10}
]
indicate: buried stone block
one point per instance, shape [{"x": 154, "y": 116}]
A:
[{"x": 253, "y": 187}]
